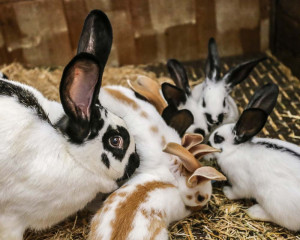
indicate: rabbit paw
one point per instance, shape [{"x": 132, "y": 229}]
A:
[
  {"x": 258, "y": 213},
  {"x": 229, "y": 193}
]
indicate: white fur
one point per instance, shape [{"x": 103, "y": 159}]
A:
[
  {"x": 43, "y": 177},
  {"x": 270, "y": 176},
  {"x": 155, "y": 166}
]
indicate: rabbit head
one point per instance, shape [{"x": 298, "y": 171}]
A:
[
  {"x": 179, "y": 96},
  {"x": 92, "y": 129},
  {"x": 229, "y": 136},
  {"x": 194, "y": 180},
  {"x": 213, "y": 94}
]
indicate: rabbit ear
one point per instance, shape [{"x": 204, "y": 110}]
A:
[
  {"x": 179, "y": 120},
  {"x": 173, "y": 94},
  {"x": 249, "y": 124},
  {"x": 200, "y": 150},
  {"x": 240, "y": 72},
  {"x": 80, "y": 86},
  {"x": 204, "y": 174},
  {"x": 149, "y": 89},
  {"x": 189, "y": 140},
  {"x": 188, "y": 160},
  {"x": 179, "y": 76},
  {"x": 96, "y": 37},
  {"x": 265, "y": 98},
  {"x": 212, "y": 66}
]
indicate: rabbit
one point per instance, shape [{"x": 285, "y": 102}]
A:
[
  {"x": 145, "y": 206},
  {"x": 212, "y": 96},
  {"x": 186, "y": 182},
  {"x": 49, "y": 170},
  {"x": 267, "y": 170}
]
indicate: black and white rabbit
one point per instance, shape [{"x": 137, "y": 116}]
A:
[
  {"x": 49, "y": 171},
  {"x": 261, "y": 168},
  {"x": 210, "y": 100}
]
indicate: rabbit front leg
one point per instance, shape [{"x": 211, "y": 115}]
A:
[
  {"x": 258, "y": 213},
  {"x": 232, "y": 193},
  {"x": 10, "y": 228}
]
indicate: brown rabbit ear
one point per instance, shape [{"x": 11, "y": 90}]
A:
[
  {"x": 149, "y": 89},
  {"x": 201, "y": 150},
  {"x": 189, "y": 140},
  {"x": 188, "y": 160},
  {"x": 204, "y": 174}
]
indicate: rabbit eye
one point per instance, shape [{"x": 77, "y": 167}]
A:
[
  {"x": 221, "y": 117},
  {"x": 116, "y": 141},
  {"x": 203, "y": 103},
  {"x": 200, "y": 198},
  {"x": 224, "y": 102},
  {"x": 218, "y": 138}
]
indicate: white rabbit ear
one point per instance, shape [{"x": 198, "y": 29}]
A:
[
  {"x": 173, "y": 94},
  {"x": 189, "y": 140},
  {"x": 179, "y": 120},
  {"x": 188, "y": 160},
  {"x": 249, "y": 124},
  {"x": 240, "y": 72},
  {"x": 179, "y": 76},
  {"x": 205, "y": 174},
  {"x": 149, "y": 89},
  {"x": 265, "y": 98},
  {"x": 212, "y": 66}
]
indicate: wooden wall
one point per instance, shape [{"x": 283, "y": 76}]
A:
[{"x": 45, "y": 32}]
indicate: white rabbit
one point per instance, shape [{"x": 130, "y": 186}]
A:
[
  {"x": 163, "y": 185},
  {"x": 47, "y": 171},
  {"x": 261, "y": 168},
  {"x": 212, "y": 96}
]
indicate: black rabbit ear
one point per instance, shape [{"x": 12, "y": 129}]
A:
[
  {"x": 80, "y": 86},
  {"x": 265, "y": 98},
  {"x": 178, "y": 74},
  {"x": 96, "y": 36},
  {"x": 212, "y": 67},
  {"x": 240, "y": 72},
  {"x": 173, "y": 94},
  {"x": 179, "y": 120},
  {"x": 249, "y": 124}
]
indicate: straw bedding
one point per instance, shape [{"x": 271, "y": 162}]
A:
[{"x": 222, "y": 218}]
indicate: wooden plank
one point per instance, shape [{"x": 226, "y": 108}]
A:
[
  {"x": 250, "y": 40},
  {"x": 146, "y": 49},
  {"x": 76, "y": 12},
  {"x": 45, "y": 38},
  {"x": 290, "y": 8}
]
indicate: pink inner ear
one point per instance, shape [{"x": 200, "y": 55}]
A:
[
  {"x": 189, "y": 140},
  {"x": 83, "y": 86}
]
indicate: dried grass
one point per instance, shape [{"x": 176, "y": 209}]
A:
[{"x": 220, "y": 219}]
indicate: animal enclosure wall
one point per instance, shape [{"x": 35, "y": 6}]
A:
[{"x": 45, "y": 32}]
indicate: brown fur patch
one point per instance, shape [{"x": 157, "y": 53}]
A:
[
  {"x": 154, "y": 129},
  {"x": 126, "y": 211},
  {"x": 120, "y": 96},
  {"x": 93, "y": 232},
  {"x": 189, "y": 197},
  {"x": 144, "y": 114},
  {"x": 163, "y": 141}
]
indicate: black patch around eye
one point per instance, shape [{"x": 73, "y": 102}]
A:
[
  {"x": 200, "y": 198},
  {"x": 105, "y": 160},
  {"x": 203, "y": 103},
  {"x": 118, "y": 153},
  {"x": 221, "y": 117},
  {"x": 200, "y": 131},
  {"x": 224, "y": 102},
  {"x": 218, "y": 139},
  {"x": 209, "y": 118}
]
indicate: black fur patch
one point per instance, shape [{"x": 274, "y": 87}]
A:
[
  {"x": 200, "y": 131},
  {"x": 118, "y": 153},
  {"x": 25, "y": 97},
  {"x": 105, "y": 160},
  {"x": 133, "y": 163},
  {"x": 279, "y": 148}
]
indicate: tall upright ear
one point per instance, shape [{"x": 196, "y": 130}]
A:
[
  {"x": 204, "y": 174},
  {"x": 249, "y": 124},
  {"x": 179, "y": 76},
  {"x": 265, "y": 98},
  {"x": 212, "y": 66},
  {"x": 240, "y": 72},
  {"x": 179, "y": 120},
  {"x": 173, "y": 94},
  {"x": 96, "y": 37},
  {"x": 79, "y": 87}
]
